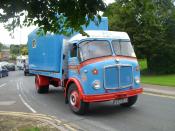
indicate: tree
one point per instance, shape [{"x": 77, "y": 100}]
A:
[
  {"x": 1, "y": 45},
  {"x": 23, "y": 49},
  {"x": 18, "y": 49},
  {"x": 147, "y": 23},
  {"x": 58, "y": 16},
  {"x": 14, "y": 49}
]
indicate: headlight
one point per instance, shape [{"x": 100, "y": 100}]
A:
[
  {"x": 137, "y": 80},
  {"x": 96, "y": 84}
]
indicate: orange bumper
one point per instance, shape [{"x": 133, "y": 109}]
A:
[{"x": 111, "y": 96}]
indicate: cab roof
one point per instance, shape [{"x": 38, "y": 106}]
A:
[{"x": 100, "y": 34}]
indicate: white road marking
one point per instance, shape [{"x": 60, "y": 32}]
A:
[
  {"x": 17, "y": 86},
  {"x": 20, "y": 84},
  {"x": 26, "y": 104},
  {"x": 3, "y": 85},
  {"x": 160, "y": 95}
]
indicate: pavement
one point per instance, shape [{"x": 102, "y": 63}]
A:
[
  {"x": 151, "y": 112},
  {"x": 160, "y": 90}
]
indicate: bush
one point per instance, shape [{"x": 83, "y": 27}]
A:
[
  {"x": 13, "y": 57},
  {"x": 163, "y": 61}
]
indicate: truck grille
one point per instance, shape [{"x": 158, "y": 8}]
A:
[{"x": 116, "y": 77}]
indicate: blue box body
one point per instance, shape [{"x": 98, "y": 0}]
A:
[{"x": 46, "y": 52}]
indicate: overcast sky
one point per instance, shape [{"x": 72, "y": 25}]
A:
[{"x": 20, "y": 35}]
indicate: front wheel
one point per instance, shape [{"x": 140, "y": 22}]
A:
[
  {"x": 131, "y": 101},
  {"x": 76, "y": 105}
]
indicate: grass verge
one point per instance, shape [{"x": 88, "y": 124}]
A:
[
  {"x": 163, "y": 80},
  {"x": 18, "y": 123}
]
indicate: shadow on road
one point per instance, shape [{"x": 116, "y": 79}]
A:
[
  {"x": 57, "y": 91},
  {"x": 108, "y": 108}
]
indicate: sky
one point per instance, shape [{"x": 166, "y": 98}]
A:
[{"x": 20, "y": 35}]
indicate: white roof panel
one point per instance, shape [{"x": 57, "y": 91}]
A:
[{"x": 101, "y": 34}]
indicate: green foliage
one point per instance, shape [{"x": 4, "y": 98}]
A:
[
  {"x": 18, "y": 49},
  {"x": 31, "y": 129},
  {"x": 58, "y": 16},
  {"x": 13, "y": 57},
  {"x": 24, "y": 50},
  {"x": 164, "y": 80},
  {"x": 14, "y": 49},
  {"x": 2, "y": 46},
  {"x": 151, "y": 27},
  {"x": 143, "y": 64}
]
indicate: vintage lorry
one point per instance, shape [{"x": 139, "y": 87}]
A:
[{"x": 97, "y": 68}]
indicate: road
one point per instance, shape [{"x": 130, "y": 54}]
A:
[{"x": 150, "y": 113}]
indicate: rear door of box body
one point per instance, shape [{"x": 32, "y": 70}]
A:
[{"x": 45, "y": 53}]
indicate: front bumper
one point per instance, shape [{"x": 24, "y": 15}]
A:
[{"x": 112, "y": 96}]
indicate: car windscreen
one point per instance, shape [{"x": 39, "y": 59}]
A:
[
  {"x": 94, "y": 49},
  {"x": 123, "y": 48}
]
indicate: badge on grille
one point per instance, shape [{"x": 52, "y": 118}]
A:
[{"x": 117, "y": 60}]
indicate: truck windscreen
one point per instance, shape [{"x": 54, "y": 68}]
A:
[
  {"x": 123, "y": 48},
  {"x": 94, "y": 49}
]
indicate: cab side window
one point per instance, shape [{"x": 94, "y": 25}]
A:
[{"x": 73, "y": 51}]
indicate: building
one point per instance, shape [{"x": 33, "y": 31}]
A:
[{"x": 5, "y": 54}]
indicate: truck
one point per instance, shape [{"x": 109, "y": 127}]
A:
[
  {"x": 26, "y": 67},
  {"x": 20, "y": 60},
  {"x": 95, "y": 68}
]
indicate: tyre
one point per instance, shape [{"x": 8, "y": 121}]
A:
[
  {"x": 1, "y": 75},
  {"x": 40, "y": 89},
  {"x": 76, "y": 105},
  {"x": 131, "y": 101},
  {"x": 25, "y": 74}
]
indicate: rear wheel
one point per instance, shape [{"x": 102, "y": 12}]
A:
[
  {"x": 75, "y": 103},
  {"x": 131, "y": 101},
  {"x": 40, "y": 89}
]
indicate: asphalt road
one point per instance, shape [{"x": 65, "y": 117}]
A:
[{"x": 150, "y": 113}]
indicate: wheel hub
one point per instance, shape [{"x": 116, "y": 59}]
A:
[{"x": 74, "y": 98}]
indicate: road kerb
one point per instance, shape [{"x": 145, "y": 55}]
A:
[
  {"x": 157, "y": 92},
  {"x": 60, "y": 125}
]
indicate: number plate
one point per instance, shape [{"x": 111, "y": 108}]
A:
[{"x": 120, "y": 101}]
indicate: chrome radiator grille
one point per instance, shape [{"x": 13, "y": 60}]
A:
[{"x": 118, "y": 76}]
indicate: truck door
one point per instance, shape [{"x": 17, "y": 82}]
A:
[{"x": 73, "y": 62}]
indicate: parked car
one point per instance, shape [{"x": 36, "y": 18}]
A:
[
  {"x": 4, "y": 64},
  {"x": 3, "y": 71},
  {"x": 11, "y": 67}
]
